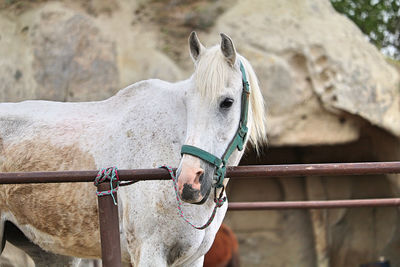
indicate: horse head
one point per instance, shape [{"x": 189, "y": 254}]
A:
[{"x": 225, "y": 109}]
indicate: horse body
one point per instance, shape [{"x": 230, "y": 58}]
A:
[
  {"x": 142, "y": 126},
  {"x": 50, "y": 136}
]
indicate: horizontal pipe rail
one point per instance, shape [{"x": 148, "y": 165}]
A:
[
  {"x": 315, "y": 204},
  {"x": 257, "y": 171}
]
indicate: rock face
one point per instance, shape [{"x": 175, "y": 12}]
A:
[
  {"x": 61, "y": 55},
  {"x": 331, "y": 97},
  {"x": 317, "y": 70},
  {"x": 70, "y": 53},
  {"x": 59, "y": 52}
]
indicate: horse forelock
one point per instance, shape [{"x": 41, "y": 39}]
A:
[{"x": 212, "y": 73}]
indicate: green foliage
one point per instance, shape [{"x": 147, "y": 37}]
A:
[{"x": 378, "y": 19}]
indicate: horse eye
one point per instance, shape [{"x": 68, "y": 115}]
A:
[{"x": 227, "y": 103}]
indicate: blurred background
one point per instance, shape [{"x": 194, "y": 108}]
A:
[{"x": 329, "y": 72}]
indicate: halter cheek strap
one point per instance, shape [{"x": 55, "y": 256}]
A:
[{"x": 237, "y": 142}]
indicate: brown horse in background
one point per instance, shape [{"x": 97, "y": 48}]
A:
[{"x": 224, "y": 251}]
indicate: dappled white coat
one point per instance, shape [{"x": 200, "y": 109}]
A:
[{"x": 143, "y": 126}]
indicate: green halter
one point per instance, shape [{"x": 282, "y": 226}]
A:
[{"x": 237, "y": 142}]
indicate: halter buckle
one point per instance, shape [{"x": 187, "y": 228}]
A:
[
  {"x": 246, "y": 87},
  {"x": 219, "y": 176},
  {"x": 242, "y": 131}
]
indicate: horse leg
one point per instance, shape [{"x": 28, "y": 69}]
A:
[
  {"x": 198, "y": 263},
  {"x": 88, "y": 263},
  {"x": 41, "y": 257},
  {"x": 2, "y": 237},
  {"x": 44, "y": 259},
  {"x": 150, "y": 255}
]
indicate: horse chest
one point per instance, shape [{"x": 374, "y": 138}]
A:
[
  {"x": 168, "y": 235},
  {"x": 187, "y": 252}
]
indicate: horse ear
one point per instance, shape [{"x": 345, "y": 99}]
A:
[
  {"x": 228, "y": 49},
  {"x": 195, "y": 46}
]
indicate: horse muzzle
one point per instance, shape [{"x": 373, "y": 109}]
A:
[
  {"x": 189, "y": 184},
  {"x": 192, "y": 185}
]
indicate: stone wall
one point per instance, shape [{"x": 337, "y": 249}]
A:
[{"x": 330, "y": 95}]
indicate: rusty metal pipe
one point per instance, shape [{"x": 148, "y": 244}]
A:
[
  {"x": 314, "y": 204},
  {"x": 256, "y": 171},
  {"x": 79, "y": 176},
  {"x": 109, "y": 228},
  {"x": 364, "y": 168}
]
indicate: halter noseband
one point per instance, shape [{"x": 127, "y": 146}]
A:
[{"x": 237, "y": 142}]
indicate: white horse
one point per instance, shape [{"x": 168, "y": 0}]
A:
[{"x": 142, "y": 126}]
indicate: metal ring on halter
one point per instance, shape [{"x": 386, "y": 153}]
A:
[
  {"x": 220, "y": 194},
  {"x": 221, "y": 199}
]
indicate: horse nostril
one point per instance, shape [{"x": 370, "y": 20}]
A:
[{"x": 199, "y": 175}]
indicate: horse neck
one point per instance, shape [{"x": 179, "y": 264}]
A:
[
  {"x": 149, "y": 112},
  {"x": 150, "y": 90}
]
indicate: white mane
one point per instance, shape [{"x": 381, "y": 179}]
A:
[{"x": 212, "y": 73}]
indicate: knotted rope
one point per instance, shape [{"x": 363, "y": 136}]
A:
[
  {"x": 219, "y": 202},
  {"x": 111, "y": 174},
  {"x": 104, "y": 174}
]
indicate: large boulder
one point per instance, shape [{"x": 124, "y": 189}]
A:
[
  {"x": 57, "y": 52},
  {"x": 318, "y": 71}
]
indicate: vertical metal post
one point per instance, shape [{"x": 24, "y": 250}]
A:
[{"x": 109, "y": 228}]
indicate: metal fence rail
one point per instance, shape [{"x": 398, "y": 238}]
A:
[
  {"x": 256, "y": 171},
  {"x": 109, "y": 230},
  {"x": 315, "y": 204}
]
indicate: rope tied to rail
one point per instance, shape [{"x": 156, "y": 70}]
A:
[
  {"x": 110, "y": 174},
  {"x": 219, "y": 202}
]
